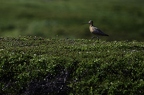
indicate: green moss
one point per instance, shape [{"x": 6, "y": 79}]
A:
[{"x": 35, "y": 65}]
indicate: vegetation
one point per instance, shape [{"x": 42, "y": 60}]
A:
[
  {"x": 121, "y": 19},
  {"x": 46, "y": 49},
  {"x": 39, "y": 66}
]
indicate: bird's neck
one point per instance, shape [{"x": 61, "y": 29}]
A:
[{"x": 91, "y": 25}]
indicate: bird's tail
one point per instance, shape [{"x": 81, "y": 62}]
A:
[{"x": 105, "y": 35}]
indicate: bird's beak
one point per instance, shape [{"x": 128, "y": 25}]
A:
[{"x": 85, "y": 23}]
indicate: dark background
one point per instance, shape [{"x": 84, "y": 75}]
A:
[{"x": 121, "y": 19}]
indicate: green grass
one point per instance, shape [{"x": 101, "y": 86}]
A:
[
  {"x": 122, "y": 20},
  {"x": 28, "y": 65}
]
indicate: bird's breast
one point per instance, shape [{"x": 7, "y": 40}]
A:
[{"x": 91, "y": 29}]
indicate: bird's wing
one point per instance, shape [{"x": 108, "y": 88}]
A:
[{"x": 98, "y": 32}]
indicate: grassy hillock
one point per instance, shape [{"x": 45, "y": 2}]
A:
[
  {"x": 39, "y": 66},
  {"x": 121, "y": 19}
]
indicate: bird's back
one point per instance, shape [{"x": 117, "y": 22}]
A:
[{"x": 97, "y": 31}]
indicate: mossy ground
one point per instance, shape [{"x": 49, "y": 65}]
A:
[{"x": 35, "y": 65}]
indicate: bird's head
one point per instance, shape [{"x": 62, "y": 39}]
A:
[{"x": 90, "y": 22}]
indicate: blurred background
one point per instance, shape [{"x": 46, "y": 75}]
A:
[{"x": 121, "y": 19}]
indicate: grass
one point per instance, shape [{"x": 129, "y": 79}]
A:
[
  {"x": 39, "y": 54},
  {"x": 122, "y": 20},
  {"x": 35, "y": 65}
]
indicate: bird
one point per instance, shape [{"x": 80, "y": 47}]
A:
[{"x": 94, "y": 30}]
